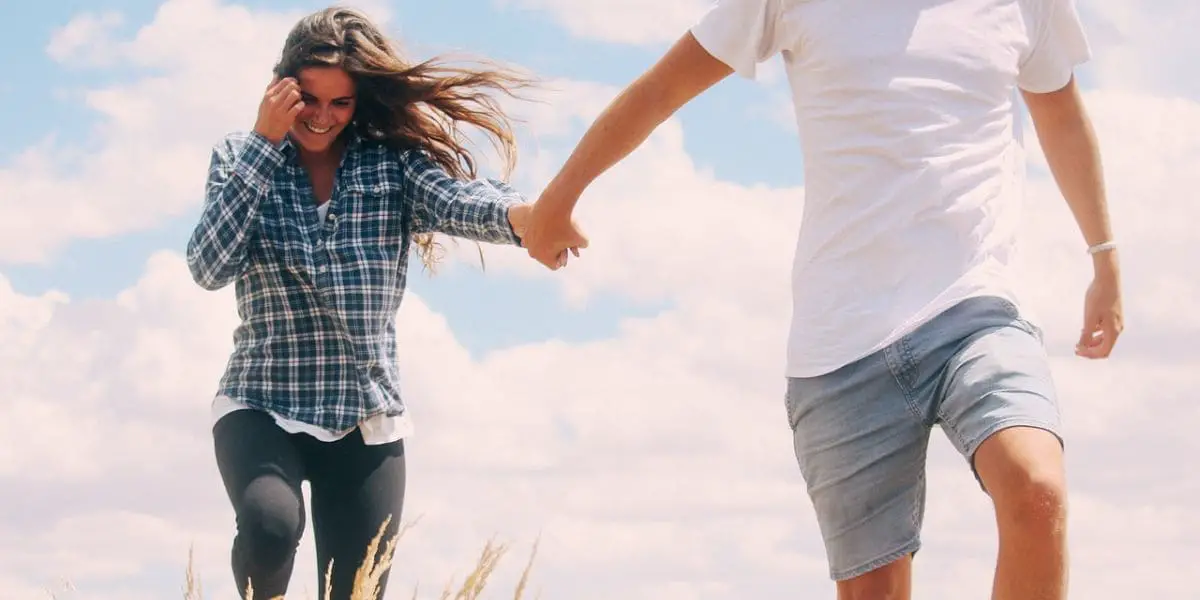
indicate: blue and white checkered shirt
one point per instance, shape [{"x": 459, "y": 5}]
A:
[{"x": 318, "y": 301}]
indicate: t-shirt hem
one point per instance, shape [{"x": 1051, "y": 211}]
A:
[{"x": 807, "y": 369}]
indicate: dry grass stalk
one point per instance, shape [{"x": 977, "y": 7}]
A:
[
  {"x": 192, "y": 590},
  {"x": 476, "y": 580},
  {"x": 366, "y": 579},
  {"x": 521, "y": 583}
]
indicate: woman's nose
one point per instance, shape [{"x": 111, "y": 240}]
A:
[{"x": 320, "y": 114}]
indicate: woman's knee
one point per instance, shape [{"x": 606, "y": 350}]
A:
[{"x": 270, "y": 522}]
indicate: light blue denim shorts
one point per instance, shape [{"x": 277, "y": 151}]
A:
[{"x": 861, "y": 432}]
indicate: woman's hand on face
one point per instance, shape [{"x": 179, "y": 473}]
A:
[{"x": 278, "y": 109}]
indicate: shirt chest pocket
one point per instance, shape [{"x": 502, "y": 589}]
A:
[{"x": 368, "y": 224}]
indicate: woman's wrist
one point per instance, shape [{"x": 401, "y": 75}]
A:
[{"x": 518, "y": 217}]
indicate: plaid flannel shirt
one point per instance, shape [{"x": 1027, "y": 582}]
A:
[{"x": 318, "y": 301}]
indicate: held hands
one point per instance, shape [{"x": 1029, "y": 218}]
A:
[
  {"x": 549, "y": 233},
  {"x": 518, "y": 217},
  {"x": 1102, "y": 312},
  {"x": 278, "y": 109}
]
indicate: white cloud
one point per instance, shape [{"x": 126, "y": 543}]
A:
[
  {"x": 1147, "y": 47},
  {"x": 86, "y": 39},
  {"x": 620, "y": 21},
  {"x": 656, "y": 463}
]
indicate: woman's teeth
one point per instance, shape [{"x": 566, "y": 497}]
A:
[{"x": 317, "y": 130}]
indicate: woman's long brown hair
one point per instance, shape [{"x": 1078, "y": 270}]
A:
[{"x": 409, "y": 105}]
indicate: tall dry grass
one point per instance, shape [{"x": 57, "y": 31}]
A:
[{"x": 366, "y": 579}]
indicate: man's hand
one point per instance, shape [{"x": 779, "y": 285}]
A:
[
  {"x": 1103, "y": 321},
  {"x": 550, "y": 233}
]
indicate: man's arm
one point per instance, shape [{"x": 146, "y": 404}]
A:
[
  {"x": 683, "y": 73},
  {"x": 1069, "y": 143}
]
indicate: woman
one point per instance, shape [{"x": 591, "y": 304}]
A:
[{"x": 354, "y": 156}]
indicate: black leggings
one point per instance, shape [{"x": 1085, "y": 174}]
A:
[{"x": 354, "y": 488}]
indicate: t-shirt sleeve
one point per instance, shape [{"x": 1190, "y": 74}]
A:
[
  {"x": 1059, "y": 44},
  {"x": 741, "y": 33}
]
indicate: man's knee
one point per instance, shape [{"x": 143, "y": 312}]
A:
[
  {"x": 1035, "y": 499},
  {"x": 889, "y": 582},
  {"x": 270, "y": 522},
  {"x": 1022, "y": 470}
]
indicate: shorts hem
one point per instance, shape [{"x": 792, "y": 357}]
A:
[
  {"x": 970, "y": 448},
  {"x": 973, "y": 448},
  {"x": 843, "y": 574}
]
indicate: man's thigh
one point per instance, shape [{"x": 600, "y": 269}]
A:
[{"x": 861, "y": 449}]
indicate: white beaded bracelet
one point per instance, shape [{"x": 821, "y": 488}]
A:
[{"x": 1101, "y": 247}]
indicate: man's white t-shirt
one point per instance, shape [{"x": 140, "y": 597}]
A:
[{"x": 913, "y": 160}]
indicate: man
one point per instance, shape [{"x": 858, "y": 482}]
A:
[{"x": 904, "y": 315}]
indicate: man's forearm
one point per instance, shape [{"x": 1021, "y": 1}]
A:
[
  {"x": 1073, "y": 154},
  {"x": 685, "y": 71},
  {"x": 618, "y": 131}
]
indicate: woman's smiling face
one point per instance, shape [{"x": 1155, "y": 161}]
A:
[{"x": 328, "y": 94}]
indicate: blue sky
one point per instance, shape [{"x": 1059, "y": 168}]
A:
[{"x": 721, "y": 126}]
